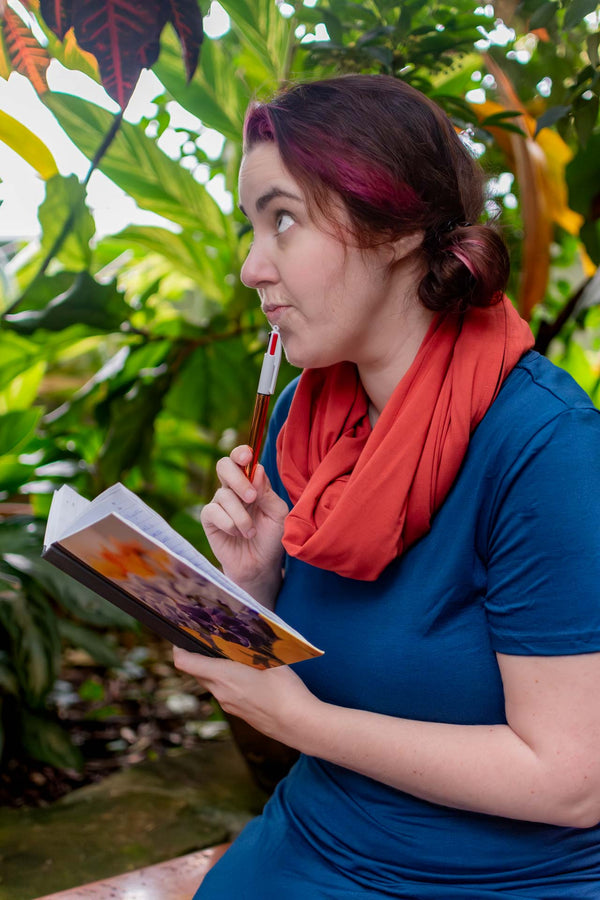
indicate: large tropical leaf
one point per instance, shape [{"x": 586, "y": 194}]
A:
[
  {"x": 32, "y": 631},
  {"x": 209, "y": 265},
  {"x": 22, "y": 51},
  {"x": 16, "y": 427},
  {"x": 58, "y": 15},
  {"x": 80, "y": 300},
  {"x": 46, "y": 740},
  {"x": 263, "y": 28},
  {"x": 187, "y": 22},
  {"x": 124, "y": 35},
  {"x": 64, "y": 207},
  {"x": 531, "y": 172},
  {"x": 217, "y": 95},
  {"x": 139, "y": 167}
]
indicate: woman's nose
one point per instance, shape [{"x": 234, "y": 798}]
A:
[{"x": 258, "y": 269}]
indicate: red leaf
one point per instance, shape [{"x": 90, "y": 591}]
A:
[
  {"x": 124, "y": 37},
  {"x": 58, "y": 15},
  {"x": 25, "y": 54},
  {"x": 187, "y": 22}
]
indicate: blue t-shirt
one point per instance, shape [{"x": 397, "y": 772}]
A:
[{"x": 511, "y": 565}]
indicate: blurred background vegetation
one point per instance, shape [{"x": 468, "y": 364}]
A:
[{"x": 134, "y": 356}]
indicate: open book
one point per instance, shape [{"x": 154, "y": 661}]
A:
[{"x": 123, "y": 550}]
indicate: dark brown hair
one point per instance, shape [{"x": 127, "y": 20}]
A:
[{"x": 394, "y": 158}]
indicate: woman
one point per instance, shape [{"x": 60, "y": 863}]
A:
[{"x": 436, "y": 487}]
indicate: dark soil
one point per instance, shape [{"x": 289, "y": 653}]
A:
[{"x": 117, "y": 718}]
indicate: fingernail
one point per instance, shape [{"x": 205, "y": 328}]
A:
[
  {"x": 251, "y": 533},
  {"x": 250, "y": 495}
]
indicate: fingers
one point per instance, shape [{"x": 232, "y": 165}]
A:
[
  {"x": 226, "y": 513},
  {"x": 231, "y": 474},
  {"x": 207, "y": 670}
]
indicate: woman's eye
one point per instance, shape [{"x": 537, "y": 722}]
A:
[{"x": 283, "y": 222}]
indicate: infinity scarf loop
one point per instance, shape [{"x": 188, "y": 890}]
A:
[{"x": 361, "y": 496}]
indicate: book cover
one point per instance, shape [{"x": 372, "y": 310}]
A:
[{"x": 195, "y": 609}]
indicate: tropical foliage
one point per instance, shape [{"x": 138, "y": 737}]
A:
[{"x": 134, "y": 356}]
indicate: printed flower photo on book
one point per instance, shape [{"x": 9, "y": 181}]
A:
[{"x": 179, "y": 594}]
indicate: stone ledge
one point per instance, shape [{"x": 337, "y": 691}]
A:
[{"x": 155, "y": 811}]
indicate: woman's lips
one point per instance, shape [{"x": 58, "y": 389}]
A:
[{"x": 275, "y": 312}]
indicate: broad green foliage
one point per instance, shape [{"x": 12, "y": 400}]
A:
[{"x": 135, "y": 357}]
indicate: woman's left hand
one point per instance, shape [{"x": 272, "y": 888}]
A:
[{"x": 274, "y": 701}]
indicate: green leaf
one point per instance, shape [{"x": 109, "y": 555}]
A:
[
  {"x": 16, "y": 428},
  {"x": 84, "y": 302},
  {"x": 208, "y": 262},
  {"x": 543, "y": 15},
  {"x": 65, "y": 207},
  {"x": 131, "y": 430},
  {"x": 8, "y": 679},
  {"x": 14, "y": 474},
  {"x": 585, "y": 116},
  {"x": 17, "y": 355},
  {"x": 78, "y": 600},
  {"x": 593, "y": 40},
  {"x": 251, "y": 21},
  {"x": 91, "y": 690},
  {"x": 23, "y": 388},
  {"x": 215, "y": 388},
  {"x": 138, "y": 166},
  {"x": 98, "y": 647},
  {"x": 576, "y": 11},
  {"x": 35, "y": 644},
  {"x": 550, "y": 117},
  {"x": 44, "y": 739},
  {"x": 583, "y": 176},
  {"x": 217, "y": 96}
]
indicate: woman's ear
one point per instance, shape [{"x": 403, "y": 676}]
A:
[{"x": 406, "y": 245}]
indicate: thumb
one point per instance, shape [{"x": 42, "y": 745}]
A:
[{"x": 269, "y": 502}]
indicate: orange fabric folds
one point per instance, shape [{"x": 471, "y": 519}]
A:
[{"x": 361, "y": 496}]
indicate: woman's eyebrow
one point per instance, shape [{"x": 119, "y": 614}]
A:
[{"x": 272, "y": 194}]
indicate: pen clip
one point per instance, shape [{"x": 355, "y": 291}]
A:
[{"x": 270, "y": 365}]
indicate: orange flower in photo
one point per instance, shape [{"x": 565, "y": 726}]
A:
[{"x": 129, "y": 558}]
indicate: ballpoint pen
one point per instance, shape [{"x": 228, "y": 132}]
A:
[{"x": 264, "y": 392}]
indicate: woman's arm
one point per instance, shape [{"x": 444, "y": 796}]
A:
[{"x": 543, "y": 766}]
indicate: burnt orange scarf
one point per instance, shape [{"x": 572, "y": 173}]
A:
[{"x": 361, "y": 496}]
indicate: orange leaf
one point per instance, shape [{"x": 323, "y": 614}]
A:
[
  {"x": 24, "y": 52},
  {"x": 531, "y": 170}
]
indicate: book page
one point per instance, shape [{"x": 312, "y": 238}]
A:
[{"x": 67, "y": 506}]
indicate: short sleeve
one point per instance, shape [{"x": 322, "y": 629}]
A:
[{"x": 543, "y": 592}]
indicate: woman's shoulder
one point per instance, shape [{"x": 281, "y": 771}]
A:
[
  {"x": 536, "y": 378},
  {"x": 536, "y": 397}
]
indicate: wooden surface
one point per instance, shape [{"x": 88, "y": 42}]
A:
[{"x": 176, "y": 879}]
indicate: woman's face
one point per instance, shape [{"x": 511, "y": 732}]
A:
[{"x": 332, "y": 301}]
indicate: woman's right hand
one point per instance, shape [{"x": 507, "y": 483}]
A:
[{"x": 244, "y": 526}]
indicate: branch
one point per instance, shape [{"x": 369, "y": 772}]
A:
[{"x": 549, "y": 330}]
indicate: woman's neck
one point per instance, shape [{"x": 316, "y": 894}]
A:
[{"x": 380, "y": 376}]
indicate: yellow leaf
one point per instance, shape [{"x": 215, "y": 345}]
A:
[
  {"x": 5, "y": 63},
  {"x": 28, "y": 145},
  {"x": 557, "y": 155},
  {"x": 539, "y": 165}
]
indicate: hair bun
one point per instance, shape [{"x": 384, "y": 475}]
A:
[{"x": 468, "y": 266}]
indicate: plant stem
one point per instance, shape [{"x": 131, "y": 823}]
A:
[{"x": 69, "y": 221}]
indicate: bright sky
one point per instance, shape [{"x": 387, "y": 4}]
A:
[{"x": 21, "y": 188}]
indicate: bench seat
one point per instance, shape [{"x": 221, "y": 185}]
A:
[{"x": 175, "y": 879}]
